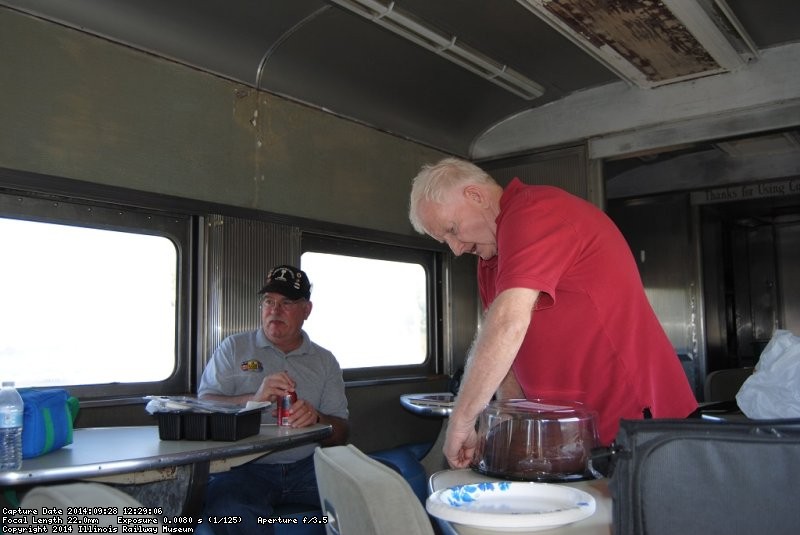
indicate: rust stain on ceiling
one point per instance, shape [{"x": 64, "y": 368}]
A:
[{"x": 644, "y": 32}]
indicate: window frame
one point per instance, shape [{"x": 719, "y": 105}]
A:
[
  {"x": 428, "y": 259},
  {"x": 88, "y": 213},
  {"x": 124, "y": 208}
]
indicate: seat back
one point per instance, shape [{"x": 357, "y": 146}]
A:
[{"x": 359, "y": 495}]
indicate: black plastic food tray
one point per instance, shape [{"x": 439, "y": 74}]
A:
[
  {"x": 208, "y": 426},
  {"x": 235, "y": 426}
]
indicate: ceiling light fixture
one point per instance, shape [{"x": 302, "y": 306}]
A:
[{"x": 446, "y": 46}]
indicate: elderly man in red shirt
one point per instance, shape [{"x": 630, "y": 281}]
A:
[{"x": 566, "y": 315}]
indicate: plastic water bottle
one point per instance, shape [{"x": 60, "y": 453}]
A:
[{"x": 10, "y": 427}]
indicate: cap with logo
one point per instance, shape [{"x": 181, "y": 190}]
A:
[{"x": 287, "y": 281}]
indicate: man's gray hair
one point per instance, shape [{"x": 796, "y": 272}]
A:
[{"x": 434, "y": 180}]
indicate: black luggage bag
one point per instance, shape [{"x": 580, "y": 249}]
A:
[{"x": 698, "y": 477}]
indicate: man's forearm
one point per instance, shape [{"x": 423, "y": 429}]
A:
[{"x": 494, "y": 350}]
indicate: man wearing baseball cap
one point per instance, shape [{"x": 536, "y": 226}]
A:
[{"x": 264, "y": 365}]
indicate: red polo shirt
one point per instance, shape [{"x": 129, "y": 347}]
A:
[{"x": 593, "y": 336}]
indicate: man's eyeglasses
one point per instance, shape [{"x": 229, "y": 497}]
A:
[{"x": 287, "y": 304}]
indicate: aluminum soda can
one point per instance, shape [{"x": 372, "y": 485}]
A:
[{"x": 284, "y": 404}]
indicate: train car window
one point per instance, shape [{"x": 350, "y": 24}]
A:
[
  {"x": 374, "y": 306},
  {"x": 72, "y": 295},
  {"x": 95, "y": 297},
  {"x": 385, "y": 299}
]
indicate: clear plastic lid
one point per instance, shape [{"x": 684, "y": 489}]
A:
[
  {"x": 535, "y": 440},
  {"x": 540, "y": 408}
]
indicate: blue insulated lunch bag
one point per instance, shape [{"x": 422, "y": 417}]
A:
[{"x": 47, "y": 420}]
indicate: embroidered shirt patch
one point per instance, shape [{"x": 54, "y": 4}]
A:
[{"x": 252, "y": 365}]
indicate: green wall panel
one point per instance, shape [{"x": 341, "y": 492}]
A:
[{"x": 78, "y": 106}]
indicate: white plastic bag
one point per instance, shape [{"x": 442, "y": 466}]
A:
[{"x": 773, "y": 391}]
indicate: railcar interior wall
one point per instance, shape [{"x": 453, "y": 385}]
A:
[{"x": 251, "y": 133}]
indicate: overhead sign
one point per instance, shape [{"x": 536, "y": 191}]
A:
[{"x": 744, "y": 192}]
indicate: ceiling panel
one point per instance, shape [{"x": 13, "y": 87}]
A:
[
  {"x": 392, "y": 83},
  {"x": 510, "y": 33},
  {"x": 769, "y": 22},
  {"x": 228, "y": 38},
  {"x": 320, "y": 53}
]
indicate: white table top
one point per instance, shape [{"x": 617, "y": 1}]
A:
[
  {"x": 597, "y": 524},
  {"x": 107, "y": 451}
]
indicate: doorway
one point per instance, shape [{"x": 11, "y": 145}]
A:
[{"x": 751, "y": 265}]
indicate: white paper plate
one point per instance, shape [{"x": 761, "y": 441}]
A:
[{"x": 511, "y": 506}]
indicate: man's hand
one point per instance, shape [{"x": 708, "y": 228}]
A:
[
  {"x": 302, "y": 414},
  {"x": 274, "y": 387},
  {"x": 460, "y": 441}
]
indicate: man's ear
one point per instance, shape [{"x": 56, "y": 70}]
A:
[{"x": 474, "y": 193}]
